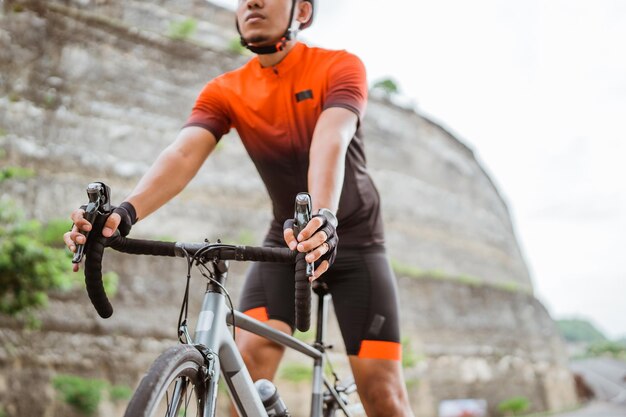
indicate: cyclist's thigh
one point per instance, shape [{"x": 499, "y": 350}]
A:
[
  {"x": 268, "y": 292},
  {"x": 365, "y": 298}
]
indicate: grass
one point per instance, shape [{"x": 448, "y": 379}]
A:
[
  {"x": 119, "y": 393},
  {"x": 409, "y": 357},
  {"x": 182, "y": 30},
  {"x": 296, "y": 372},
  {"x": 411, "y": 271}
]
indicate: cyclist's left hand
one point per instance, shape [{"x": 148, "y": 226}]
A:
[{"x": 318, "y": 240}]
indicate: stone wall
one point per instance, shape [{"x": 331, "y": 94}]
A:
[{"x": 93, "y": 90}]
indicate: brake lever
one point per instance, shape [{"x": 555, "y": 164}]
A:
[
  {"x": 303, "y": 212},
  {"x": 99, "y": 195}
]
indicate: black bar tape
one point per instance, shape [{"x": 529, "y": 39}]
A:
[
  {"x": 303, "y": 295},
  {"x": 264, "y": 254},
  {"x": 142, "y": 247},
  {"x": 93, "y": 271}
]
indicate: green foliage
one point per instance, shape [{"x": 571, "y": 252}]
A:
[
  {"x": 15, "y": 172},
  {"x": 119, "y": 393},
  {"x": 2, "y": 412},
  {"x": 306, "y": 337},
  {"x": 406, "y": 270},
  {"x": 182, "y": 30},
  {"x": 409, "y": 357},
  {"x": 296, "y": 372},
  {"x": 577, "y": 330},
  {"x": 246, "y": 237},
  {"x": 607, "y": 348},
  {"x": 236, "y": 47},
  {"x": 514, "y": 406},
  {"x": 82, "y": 394},
  {"x": 28, "y": 268},
  {"x": 469, "y": 280},
  {"x": 110, "y": 280},
  {"x": 387, "y": 85},
  {"x": 2, "y": 133},
  {"x": 52, "y": 232}
]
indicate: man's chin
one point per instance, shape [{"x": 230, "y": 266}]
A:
[{"x": 259, "y": 40}]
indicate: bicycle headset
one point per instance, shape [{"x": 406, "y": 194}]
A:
[{"x": 290, "y": 33}]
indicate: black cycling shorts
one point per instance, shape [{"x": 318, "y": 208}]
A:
[{"x": 364, "y": 294}]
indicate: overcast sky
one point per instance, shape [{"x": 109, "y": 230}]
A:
[{"x": 538, "y": 89}]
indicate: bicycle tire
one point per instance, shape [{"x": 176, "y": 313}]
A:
[{"x": 179, "y": 366}]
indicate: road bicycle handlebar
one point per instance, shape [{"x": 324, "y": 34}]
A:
[{"x": 96, "y": 243}]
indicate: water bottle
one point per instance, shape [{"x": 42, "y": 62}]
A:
[{"x": 270, "y": 398}]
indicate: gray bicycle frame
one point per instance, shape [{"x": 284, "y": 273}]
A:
[{"x": 213, "y": 332}]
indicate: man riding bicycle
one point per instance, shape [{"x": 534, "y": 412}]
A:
[{"x": 297, "y": 110}]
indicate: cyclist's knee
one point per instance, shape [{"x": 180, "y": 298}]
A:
[
  {"x": 262, "y": 361},
  {"x": 385, "y": 399}
]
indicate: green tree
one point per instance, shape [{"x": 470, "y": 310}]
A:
[
  {"x": 387, "y": 85},
  {"x": 577, "y": 330},
  {"x": 607, "y": 348}
]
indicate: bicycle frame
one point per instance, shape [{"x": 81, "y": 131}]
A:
[{"x": 215, "y": 338}]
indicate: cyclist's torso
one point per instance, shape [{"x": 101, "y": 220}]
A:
[{"x": 275, "y": 111}]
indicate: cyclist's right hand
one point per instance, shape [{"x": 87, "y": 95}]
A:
[
  {"x": 74, "y": 237},
  {"x": 123, "y": 218}
]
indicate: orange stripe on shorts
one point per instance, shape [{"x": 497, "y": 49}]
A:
[
  {"x": 259, "y": 313},
  {"x": 378, "y": 349}
]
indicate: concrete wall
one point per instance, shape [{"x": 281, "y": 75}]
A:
[{"x": 92, "y": 90}]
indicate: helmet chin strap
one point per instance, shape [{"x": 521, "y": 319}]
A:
[{"x": 277, "y": 46}]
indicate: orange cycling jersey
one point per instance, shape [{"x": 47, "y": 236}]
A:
[{"x": 275, "y": 110}]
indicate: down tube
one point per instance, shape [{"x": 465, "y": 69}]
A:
[
  {"x": 213, "y": 333},
  {"x": 237, "y": 377}
]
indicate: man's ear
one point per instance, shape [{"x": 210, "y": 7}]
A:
[{"x": 305, "y": 11}]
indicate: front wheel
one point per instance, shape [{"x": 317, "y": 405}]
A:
[{"x": 173, "y": 387}]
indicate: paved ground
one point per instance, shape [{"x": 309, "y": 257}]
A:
[
  {"x": 607, "y": 379},
  {"x": 597, "y": 409}
]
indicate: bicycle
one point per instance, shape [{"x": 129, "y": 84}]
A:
[{"x": 184, "y": 379}]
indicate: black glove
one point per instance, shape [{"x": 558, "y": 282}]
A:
[
  {"x": 330, "y": 228},
  {"x": 129, "y": 217}
]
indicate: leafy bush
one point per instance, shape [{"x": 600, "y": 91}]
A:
[
  {"x": 182, "y": 30},
  {"x": 82, "y": 394},
  {"x": 514, "y": 406},
  {"x": 28, "y": 268},
  {"x": 15, "y": 172},
  {"x": 52, "y": 232},
  {"x": 85, "y": 394},
  {"x": 607, "y": 348}
]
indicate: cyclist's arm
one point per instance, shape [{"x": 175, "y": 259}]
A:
[
  {"x": 167, "y": 176},
  {"x": 173, "y": 169},
  {"x": 333, "y": 132}
]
